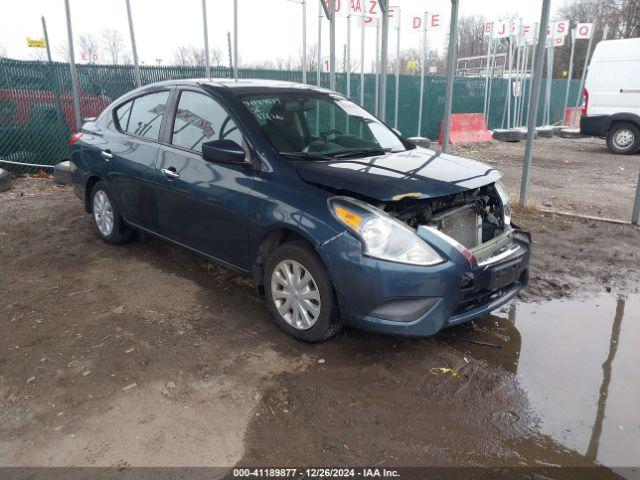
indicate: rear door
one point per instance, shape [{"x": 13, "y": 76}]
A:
[
  {"x": 132, "y": 151},
  {"x": 203, "y": 205}
]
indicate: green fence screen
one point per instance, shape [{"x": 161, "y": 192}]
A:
[{"x": 36, "y": 103}]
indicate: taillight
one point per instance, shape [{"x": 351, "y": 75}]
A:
[
  {"x": 75, "y": 137},
  {"x": 585, "y": 103}
]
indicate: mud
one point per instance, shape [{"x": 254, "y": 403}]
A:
[
  {"x": 574, "y": 175},
  {"x": 148, "y": 355}
]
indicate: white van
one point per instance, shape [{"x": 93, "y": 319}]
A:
[{"x": 611, "y": 107}]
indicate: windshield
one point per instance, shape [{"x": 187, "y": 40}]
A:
[{"x": 320, "y": 126}]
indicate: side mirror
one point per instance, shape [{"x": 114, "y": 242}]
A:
[{"x": 223, "y": 151}]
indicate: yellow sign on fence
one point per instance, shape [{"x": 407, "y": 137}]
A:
[
  {"x": 412, "y": 64},
  {"x": 36, "y": 43}
]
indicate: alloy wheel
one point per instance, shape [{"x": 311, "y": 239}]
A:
[{"x": 103, "y": 213}]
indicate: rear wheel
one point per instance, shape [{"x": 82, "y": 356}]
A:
[
  {"x": 623, "y": 138},
  {"x": 107, "y": 221},
  {"x": 299, "y": 293}
]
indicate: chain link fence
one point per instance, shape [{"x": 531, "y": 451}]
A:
[{"x": 37, "y": 115}]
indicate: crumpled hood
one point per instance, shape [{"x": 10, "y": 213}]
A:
[{"x": 422, "y": 171}]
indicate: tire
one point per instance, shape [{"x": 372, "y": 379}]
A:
[
  {"x": 115, "y": 231},
  {"x": 62, "y": 173},
  {"x": 5, "y": 180},
  {"x": 623, "y": 138},
  {"x": 324, "y": 324},
  {"x": 507, "y": 135}
]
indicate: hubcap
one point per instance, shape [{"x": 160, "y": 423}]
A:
[
  {"x": 103, "y": 213},
  {"x": 623, "y": 138},
  {"x": 295, "y": 294}
]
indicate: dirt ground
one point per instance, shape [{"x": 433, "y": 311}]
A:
[
  {"x": 574, "y": 175},
  {"x": 146, "y": 354}
]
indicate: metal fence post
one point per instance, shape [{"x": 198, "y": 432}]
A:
[
  {"x": 635, "y": 215},
  {"x": 384, "y": 47},
  {"x": 134, "y": 50},
  {"x": 572, "y": 32},
  {"x": 72, "y": 66},
  {"x": 584, "y": 67},
  {"x": 207, "y": 69},
  {"x": 235, "y": 40},
  {"x": 534, "y": 98},
  {"x": 397, "y": 92},
  {"x": 304, "y": 41},
  {"x": 451, "y": 74},
  {"x": 423, "y": 71}
]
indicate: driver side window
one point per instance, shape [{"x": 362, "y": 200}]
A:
[{"x": 199, "y": 118}]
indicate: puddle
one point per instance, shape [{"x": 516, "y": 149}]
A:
[{"x": 579, "y": 362}]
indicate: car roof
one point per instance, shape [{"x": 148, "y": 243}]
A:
[{"x": 242, "y": 86}]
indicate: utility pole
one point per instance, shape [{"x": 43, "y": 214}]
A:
[
  {"x": 451, "y": 74},
  {"x": 134, "y": 50},
  {"x": 72, "y": 66},
  {"x": 207, "y": 71},
  {"x": 534, "y": 98}
]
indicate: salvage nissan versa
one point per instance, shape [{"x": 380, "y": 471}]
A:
[{"x": 337, "y": 217}]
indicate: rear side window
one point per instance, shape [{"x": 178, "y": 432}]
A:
[
  {"x": 143, "y": 115},
  {"x": 200, "y": 118}
]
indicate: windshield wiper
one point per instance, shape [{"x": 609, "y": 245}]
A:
[
  {"x": 306, "y": 155},
  {"x": 361, "y": 152}
]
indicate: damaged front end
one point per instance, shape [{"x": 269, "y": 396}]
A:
[{"x": 448, "y": 259}]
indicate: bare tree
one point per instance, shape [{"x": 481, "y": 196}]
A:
[
  {"x": 113, "y": 45},
  {"x": 3, "y": 51},
  {"x": 621, "y": 16},
  {"x": 38, "y": 54},
  {"x": 471, "y": 38},
  {"x": 89, "y": 47},
  {"x": 190, "y": 56},
  {"x": 62, "y": 51}
]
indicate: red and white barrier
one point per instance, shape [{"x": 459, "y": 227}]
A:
[
  {"x": 572, "y": 117},
  {"x": 467, "y": 128}
]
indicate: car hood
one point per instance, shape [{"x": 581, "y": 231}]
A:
[{"x": 421, "y": 172}]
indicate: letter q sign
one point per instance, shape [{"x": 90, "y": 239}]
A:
[{"x": 584, "y": 31}]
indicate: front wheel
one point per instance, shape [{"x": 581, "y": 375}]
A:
[
  {"x": 107, "y": 221},
  {"x": 299, "y": 293},
  {"x": 623, "y": 138}
]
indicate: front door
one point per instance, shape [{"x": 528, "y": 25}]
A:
[{"x": 203, "y": 205}]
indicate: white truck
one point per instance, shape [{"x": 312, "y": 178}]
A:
[{"x": 611, "y": 104}]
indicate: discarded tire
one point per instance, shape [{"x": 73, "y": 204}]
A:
[
  {"x": 423, "y": 142},
  {"x": 545, "y": 132},
  {"x": 5, "y": 180},
  {"x": 523, "y": 131},
  {"x": 507, "y": 135},
  {"x": 569, "y": 133},
  {"x": 62, "y": 173}
]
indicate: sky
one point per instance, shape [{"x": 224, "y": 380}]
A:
[{"x": 267, "y": 29}]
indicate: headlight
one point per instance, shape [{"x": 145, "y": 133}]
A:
[
  {"x": 383, "y": 236},
  {"x": 503, "y": 193}
]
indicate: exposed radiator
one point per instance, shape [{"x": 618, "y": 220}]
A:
[{"x": 462, "y": 224}]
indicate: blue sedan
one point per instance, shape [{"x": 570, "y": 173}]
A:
[{"x": 337, "y": 217}]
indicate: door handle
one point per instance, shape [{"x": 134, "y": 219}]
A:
[
  {"x": 170, "y": 172},
  {"x": 106, "y": 154}
]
